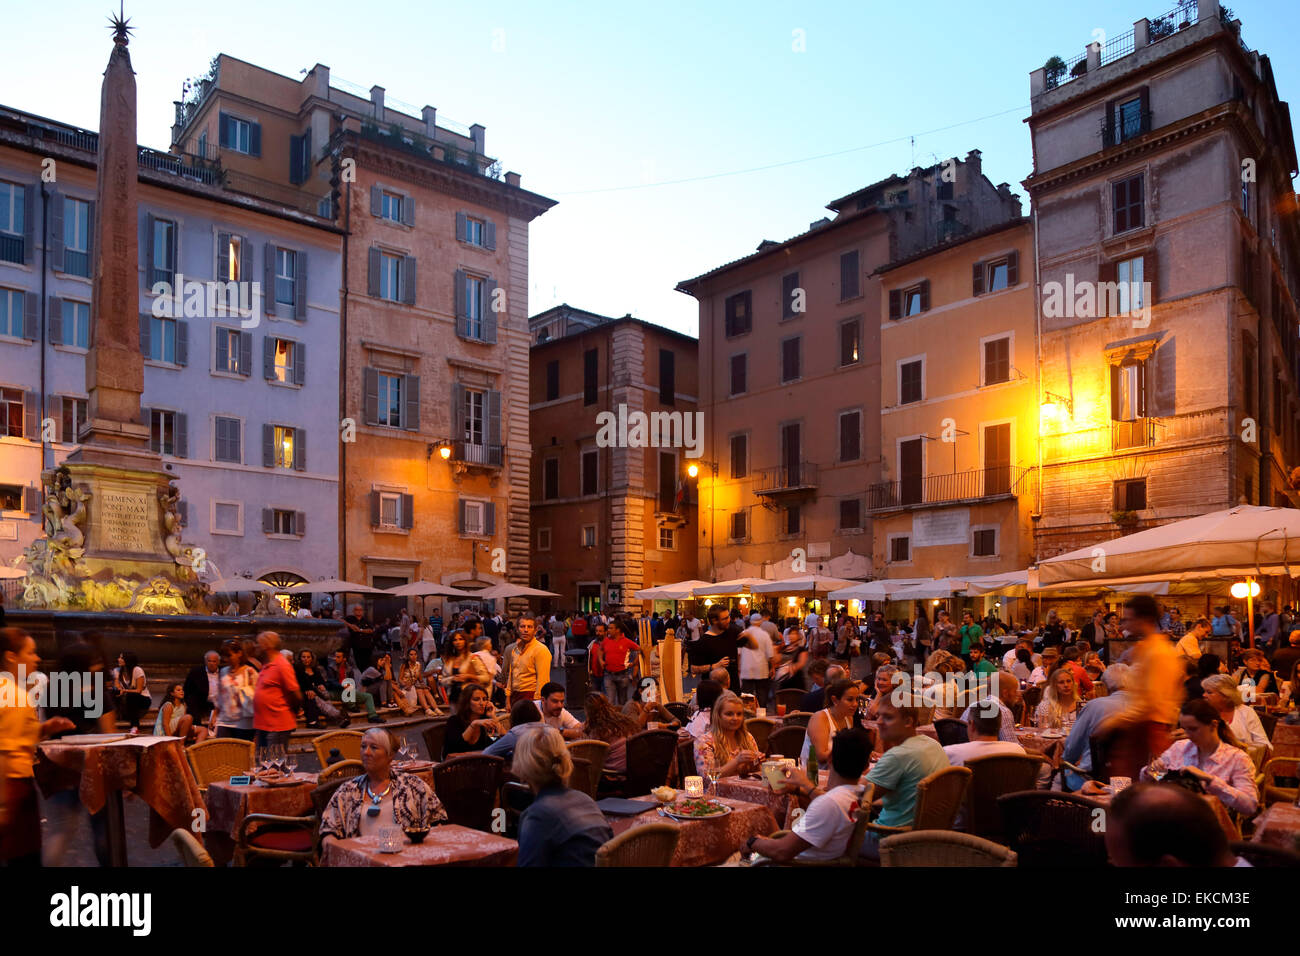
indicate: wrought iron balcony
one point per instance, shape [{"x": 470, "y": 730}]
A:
[
  {"x": 1121, "y": 129},
  {"x": 468, "y": 453},
  {"x": 1138, "y": 433},
  {"x": 789, "y": 479},
  {"x": 1002, "y": 481}
]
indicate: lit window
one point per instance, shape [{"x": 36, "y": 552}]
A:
[
  {"x": 285, "y": 442},
  {"x": 390, "y": 400}
]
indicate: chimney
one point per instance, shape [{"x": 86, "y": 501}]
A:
[
  {"x": 512, "y": 179},
  {"x": 974, "y": 162},
  {"x": 430, "y": 122},
  {"x": 321, "y": 74},
  {"x": 377, "y": 98},
  {"x": 478, "y": 133},
  {"x": 819, "y": 223}
]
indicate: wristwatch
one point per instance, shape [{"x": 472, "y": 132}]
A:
[{"x": 749, "y": 844}]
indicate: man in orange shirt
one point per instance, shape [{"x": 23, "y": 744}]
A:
[
  {"x": 530, "y": 664},
  {"x": 1156, "y": 684},
  {"x": 276, "y": 697}
]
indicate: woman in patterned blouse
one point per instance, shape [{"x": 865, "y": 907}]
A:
[
  {"x": 1212, "y": 753},
  {"x": 379, "y": 797},
  {"x": 728, "y": 746}
]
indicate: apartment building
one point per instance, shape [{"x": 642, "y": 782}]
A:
[
  {"x": 239, "y": 397},
  {"x": 433, "y": 399},
  {"x": 790, "y": 352},
  {"x": 1167, "y": 236},
  {"x": 612, "y": 512}
]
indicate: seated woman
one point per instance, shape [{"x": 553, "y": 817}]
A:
[
  {"x": 1060, "y": 703},
  {"x": 473, "y": 726},
  {"x": 728, "y": 748},
  {"x": 943, "y": 663},
  {"x": 317, "y": 708},
  {"x": 1212, "y": 754},
  {"x": 1222, "y": 694},
  {"x": 379, "y": 797},
  {"x": 561, "y": 827},
  {"x": 1206, "y": 666},
  {"x": 173, "y": 721},
  {"x": 706, "y": 695},
  {"x": 608, "y": 723},
  {"x": 411, "y": 678},
  {"x": 840, "y": 713},
  {"x": 1255, "y": 670},
  {"x": 645, "y": 707},
  {"x": 883, "y": 683}
]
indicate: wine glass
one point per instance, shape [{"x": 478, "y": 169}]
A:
[
  {"x": 263, "y": 758},
  {"x": 714, "y": 771},
  {"x": 291, "y": 762},
  {"x": 403, "y": 749}
]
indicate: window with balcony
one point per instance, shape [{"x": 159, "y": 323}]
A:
[
  {"x": 1128, "y": 391},
  {"x": 474, "y": 416},
  {"x": 911, "y": 375},
  {"x": 1131, "y": 494},
  {"x": 1127, "y": 204},
  {"x": 13, "y": 221},
  {"x": 997, "y": 459},
  {"x": 997, "y": 360}
]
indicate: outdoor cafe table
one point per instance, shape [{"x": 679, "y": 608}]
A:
[
  {"x": 446, "y": 845},
  {"x": 1279, "y": 826},
  {"x": 709, "y": 841},
  {"x": 153, "y": 768},
  {"x": 1034, "y": 742}
]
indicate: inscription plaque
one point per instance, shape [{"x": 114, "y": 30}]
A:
[{"x": 124, "y": 522}]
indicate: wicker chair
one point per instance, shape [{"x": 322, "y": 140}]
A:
[
  {"x": 1260, "y": 854},
  {"x": 594, "y": 752},
  {"x": 582, "y": 779},
  {"x": 189, "y": 849},
  {"x": 790, "y": 697},
  {"x": 467, "y": 785},
  {"x": 1278, "y": 774},
  {"x": 788, "y": 741},
  {"x": 516, "y": 797},
  {"x": 347, "y": 742},
  {"x": 434, "y": 739},
  {"x": 274, "y": 838},
  {"x": 943, "y": 848},
  {"x": 680, "y": 710},
  {"x": 343, "y": 770},
  {"x": 685, "y": 761},
  {"x": 798, "y": 718},
  {"x": 1032, "y": 697},
  {"x": 219, "y": 759},
  {"x": 938, "y": 798},
  {"x": 760, "y": 728},
  {"x": 650, "y": 845},
  {"x": 1051, "y": 829},
  {"x": 321, "y": 793},
  {"x": 951, "y": 731},
  {"x": 649, "y": 758},
  {"x": 994, "y": 776},
  {"x": 1267, "y": 721}
]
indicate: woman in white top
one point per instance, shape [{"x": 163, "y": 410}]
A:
[
  {"x": 234, "y": 712},
  {"x": 841, "y": 707},
  {"x": 133, "y": 700},
  {"x": 1061, "y": 701},
  {"x": 1223, "y": 695}
]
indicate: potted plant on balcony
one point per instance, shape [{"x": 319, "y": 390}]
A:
[
  {"x": 1055, "y": 69},
  {"x": 1080, "y": 68},
  {"x": 1125, "y": 519}
]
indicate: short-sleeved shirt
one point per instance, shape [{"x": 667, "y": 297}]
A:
[
  {"x": 19, "y": 728},
  {"x": 564, "y": 721},
  {"x": 829, "y": 823},
  {"x": 756, "y": 662},
  {"x": 899, "y": 771},
  {"x": 271, "y": 710},
  {"x": 958, "y": 754}
]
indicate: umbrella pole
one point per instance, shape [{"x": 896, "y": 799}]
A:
[{"x": 1250, "y": 609}]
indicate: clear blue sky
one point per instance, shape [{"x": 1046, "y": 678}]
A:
[{"x": 594, "y": 103}]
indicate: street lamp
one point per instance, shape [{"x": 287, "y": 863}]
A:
[
  {"x": 1248, "y": 589},
  {"x": 693, "y": 471}
]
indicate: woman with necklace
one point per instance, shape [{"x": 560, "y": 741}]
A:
[{"x": 379, "y": 797}]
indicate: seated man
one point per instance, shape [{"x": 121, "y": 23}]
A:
[
  {"x": 909, "y": 759},
  {"x": 823, "y": 833},
  {"x": 555, "y": 714},
  {"x": 522, "y": 714},
  {"x": 1152, "y": 824},
  {"x": 342, "y": 684},
  {"x": 1008, "y": 696},
  {"x": 984, "y": 741}
]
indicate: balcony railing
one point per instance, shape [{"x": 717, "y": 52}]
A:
[
  {"x": 1138, "y": 433},
  {"x": 786, "y": 479},
  {"x": 184, "y": 165},
  {"x": 1125, "y": 128},
  {"x": 957, "y": 486},
  {"x": 11, "y": 247},
  {"x": 469, "y": 453}
]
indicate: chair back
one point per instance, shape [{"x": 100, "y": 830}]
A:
[
  {"x": 582, "y": 778},
  {"x": 788, "y": 741},
  {"x": 994, "y": 776},
  {"x": 943, "y": 848},
  {"x": 760, "y": 728},
  {"x": 679, "y": 710},
  {"x": 1121, "y": 752},
  {"x": 434, "y": 738},
  {"x": 1267, "y": 721},
  {"x": 1281, "y": 781},
  {"x": 649, "y": 757},
  {"x": 685, "y": 761},
  {"x": 593, "y": 753},
  {"x": 343, "y": 770},
  {"x": 790, "y": 697},
  {"x": 1261, "y": 854},
  {"x": 1048, "y": 828},
  {"x": 1032, "y": 697},
  {"x": 516, "y": 797},
  {"x": 189, "y": 849},
  {"x": 939, "y": 797},
  {"x": 219, "y": 759},
  {"x": 467, "y": 785},
  {"x": 797, "y": 718},
  {"x": 321, "y": 793},
  {"x": 346, "y": 742},
  {"x": 951, "y": 731},
  {"x": 652, "y": 844}
]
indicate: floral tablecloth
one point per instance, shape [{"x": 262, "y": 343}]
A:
[
  {"x": 758, "y": 792},
  {"x": 708, "y": 842},
  {"x": 153, "y": 768},
  {"x": 1035, "y": 743},
  {"x": 229, "y": 804},
  {"x": 446, "y": 845},
  {"x": 1279, "y": 826}
]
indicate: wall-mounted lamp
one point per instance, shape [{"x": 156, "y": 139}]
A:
[
  {"x": 1052, "y": 404},
  {"x": 443, "y": 448}
]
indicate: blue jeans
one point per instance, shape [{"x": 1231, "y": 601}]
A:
[{"x": 618, "y": 687}]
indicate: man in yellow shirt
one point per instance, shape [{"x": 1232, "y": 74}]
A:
[
  {"x": 1157, "y": 686},
  {"x": 530, "y": 664}
]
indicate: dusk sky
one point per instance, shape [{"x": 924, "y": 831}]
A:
[{"x": 674, "y": 139}]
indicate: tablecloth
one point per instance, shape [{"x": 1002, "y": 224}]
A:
[
  {"x": 711, "y": 841},
  {"x": 446, "y": 845},
  {"x": 228, "y": 805},
  {"x": 1279, "y": 826}
]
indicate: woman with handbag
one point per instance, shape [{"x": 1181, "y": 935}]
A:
[{"x": 234, "y": 712}]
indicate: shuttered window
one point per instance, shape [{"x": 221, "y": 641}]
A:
[
  {"x": 168, "y": 432},
  {"x": 789, "y": 295},
  {"x": 1126, "y": 203},
  {"x": 997, "y": 361},
  {"x": 791, "y": 359},
  {"x": 850, "y": 513},
  {"x": 900, "y": 548},
  {"x": 850, "y": 436},
  {"x": 909, "y": 382},
  {"x": 590, "y": 384},
  {"x": 228, "y": 444},
  {"x": 850, "y": 276},
  {"x": 850, "y": 342},
  {"x": 739, "y": 456},
  {"x": 739, "y": 374},
  {"x": 737, "y": 315},
  {"x": 590, "y": 472},
  {"x": 739, "y": 525},
  {"x": 240, "y": 135}
]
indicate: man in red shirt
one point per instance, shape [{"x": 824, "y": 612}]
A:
[
  {"x": 618, "y": 659},
  {"x": 276, "y": 697}
]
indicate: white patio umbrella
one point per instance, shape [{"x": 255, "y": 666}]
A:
[
  {"x": 333, "y": 586},
  {"x": 680, "y": 591},
  {"x": 508, "y": 590},
  {"x": 427, "y": 589},
  {"x": 237, "y": 584},
  {"x": 938, "y": 588},
  {"x": 874, "y": 590},
  {"x": 808, "y": 582},
  {"x": 1010, "y": 583},
  {"x": 734, "y": 586}
]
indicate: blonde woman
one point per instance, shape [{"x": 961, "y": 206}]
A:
[
  {"x": 561, "y": 827},
  {"x": 728, "y": 749},
  {"x": 951, "y": 704},
  {"x": 1223, "y": 694},
  {"x": 1060, "y": 703}
]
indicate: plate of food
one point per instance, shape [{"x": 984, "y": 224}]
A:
[
  {"x": 1052, "y": 735},
  {"x": 279, "y": 780},
  {"x": 85, "y": 740},
  {"x": 696, "y": 808},
  {"x": 413, "y": 766}
]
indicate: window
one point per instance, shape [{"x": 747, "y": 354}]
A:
[
  {"x": 589, "y": 536},
  {"x": 12, "y": 304},
  {"x": 1128, "y": 392},
  {"x": 912, "y": 301},
  {"x": 474, "y": 416},
  {"x": 390, "y": 400},
  {"x": 74, "y": 416},
  {"x": 552, "y": 380},
  {"x": 230, "y": 257},
  {"x": 550, "y": 479},
  {"x": 1128, "y": 278},
  {"x": 791, "y": 359},
  {"x": 163, "y": 252},
  {"x": 997, "y": 361},
  {"x": 75, "y": 329},
  {"x": 790, "y": 519},
  {"x": 475, "y": 287},
  {"x": 943, "y": 189},
  {"x": 736, "y": 310},
  {"x": 668, "y": 481},
  {"x": 285, "y": 447},
  {"x": 789, "y": 290},
  {"x": 283, "y": 522},
  {"x": 162, "y": 340},
  {"x": 390, "y": 277},
  {"x": 911, "y": 471},
  {"x": 739, "y": 456},
  {"x": 739, "y": 525},
  {"x": 11, "y": 497},
  {"x": 739, "y": 374},
  {"x": 1248, "y": 363},
  {"x": 11, "y": 412},
  {"x": 590, "y": 472},
  {"x": 1131, "y": 494},
  {"x": 910, "y": 375},
  {"x": 850, "y": 436},
  {"x": 667, "y": 377},
  {"x": 984, "y": 542},
  {"x": 543, "y": 539},
  {"x": 203, "y": 144},
  {"x": 996, "y": 274},
  {"x": 285, "y": 360},
  {"x": 162, "y": 432},
  {"x": 240, "y": 135},
  {"x": 850, "y": 276},
  {"x": 227, "y": 517},
  {"x": 474, "y": 231},
  {"x": 286, "y": 271},
  {"x": 13, "y": 222},
  {"x": 900, "y": 547},
  {"x": 390, "y": 206},
  {"x": 229, "y": 346},
  {"x": 850, "y": 342},
  {"x": 228, "y": 444},
  {"x": 850, "y": 513},
  {"x": 667, "y": 539},
  {"x": 590, "y": 367},
  {"x": 76, "y": 237},
  {"x": 1126, "y": 204},
  {"x": 390, "y": 510},
  {"x": 1128, "y": 119}
]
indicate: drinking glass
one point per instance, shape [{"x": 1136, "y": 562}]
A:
[
  {"x": 714, "y": 771},
  {"x": 291, "y": 763}
]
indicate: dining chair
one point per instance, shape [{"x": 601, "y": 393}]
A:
[
  {"x": 991, "y": 777},
  {"x": 219, "y": 759},
  {"x": 943, "y": 848},
  {"x": 649, "y": 757},
  {"x": 189, "y": 849},
  {"x": 582, "y": 779},
  {"x": 652, "y": 844},
  {"x": 1261, "y": 854},
  {"x": 790, "y": 697},
  {"x": 951, "y": 731},
  {"x": 1052, "y": 829},
  {"x": 1267, "y": 721},
  {"x": 788, "y": 741},
  {"x": 796, "y": 718},
  {"x": 434, "y": 739},
  {"x": 680, "y": 710},
  {"x": 760, "y": 728},
  {"x": 1280, "y": 783},
  {"x": 272, "y": 837},
  {"x": 685, "y": 761},
  {"x": 343, "y": 770},
  {"x": 467, "y": 786},
  {"x": 346, "y": 742},
  {"x": 938, "y": 799},
  {"x": 516, "y": 797},
  {"x": 853, "y": 849},
  {"x": 593, "y": 751}
]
